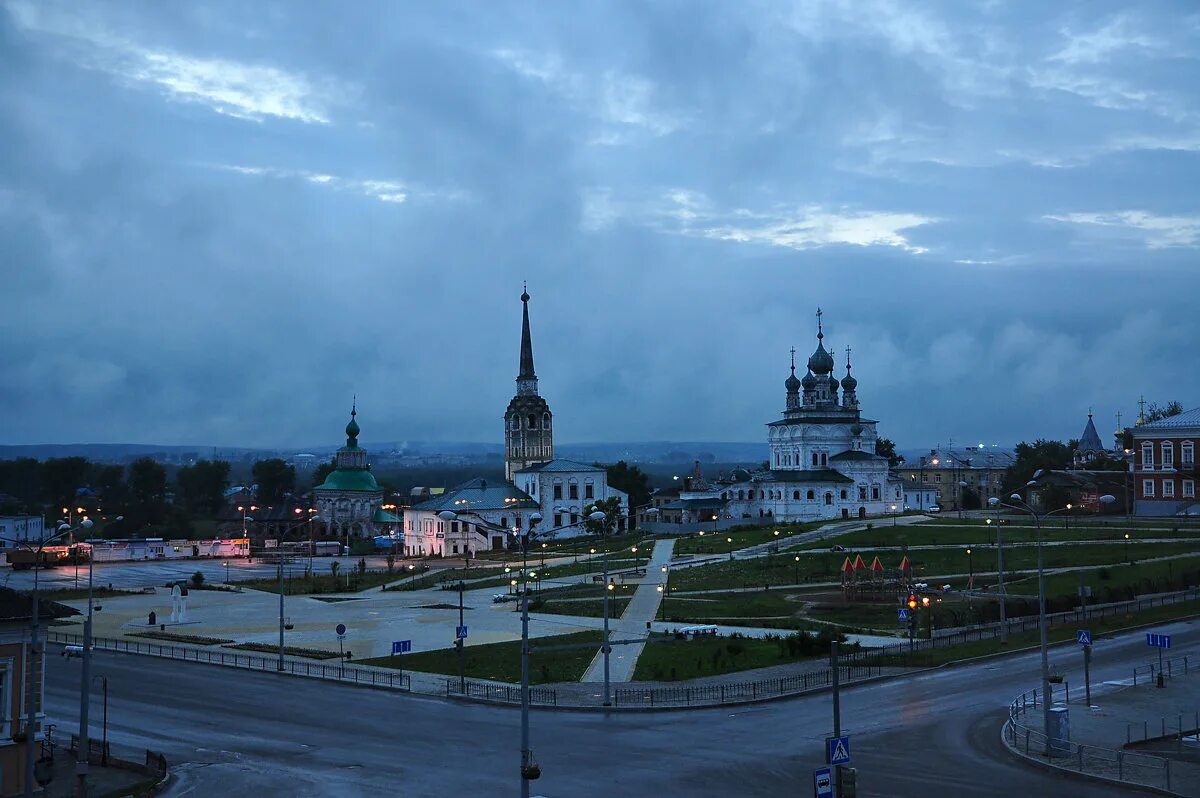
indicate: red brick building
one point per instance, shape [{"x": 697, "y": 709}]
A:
[{"x": 1164, "y": 465}]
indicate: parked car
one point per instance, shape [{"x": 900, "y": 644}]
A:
[
  {"x": 933, "y": 508},
  {"x": 503, "y": 598},
  {"x": 837, "y": 548}
]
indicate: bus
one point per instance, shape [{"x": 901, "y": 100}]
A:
[{"x": 692, "y": 632}]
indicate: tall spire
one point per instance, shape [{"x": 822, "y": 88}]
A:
[{"x": 526, "y": 378}]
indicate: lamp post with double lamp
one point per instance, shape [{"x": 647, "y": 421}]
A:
[
  {"x": 600, "y": 517},
  {"x": 665, "y": 589},
  {"x": 242, "y": 509},
  {"x": 797, "y": 569},
  {"x": 1017, "y": 503},
  {"x": 893, "y": 515}
]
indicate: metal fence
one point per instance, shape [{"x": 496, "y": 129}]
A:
[
  {"x": 1170, "y": 668},
  {"x": 738, "y": 692},
  {"x": 314, "y": 670},
  {"x": 502, "y": 693},
  {"x": 1135, "y": 768}
]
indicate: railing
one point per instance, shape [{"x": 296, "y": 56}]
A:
[
  {"x": 1168, "y": 728},
  {"x": 293, "y": 667},
  {"x": 1143, "y": 769},
  {"x": 1169, "y": 668},
  {"x": 503, "y": 693},
  {"x": 738, "y": 692}
]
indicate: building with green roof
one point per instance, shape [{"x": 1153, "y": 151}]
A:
[{"x": 350, "y": 501}]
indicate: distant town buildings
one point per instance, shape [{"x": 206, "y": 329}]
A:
[
  {"x": 1164, "y": 465},
  {"x": 945, "y": 470},
  {"x": 16, "y": 530}
]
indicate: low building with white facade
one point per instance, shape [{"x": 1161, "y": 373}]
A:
[
  {"x": 22, "y": 528},
  {"x": 487, "y": 514},
  {"x": 564, "y": 489}
]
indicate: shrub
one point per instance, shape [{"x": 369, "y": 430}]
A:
[{"x": 197, "y": 579}]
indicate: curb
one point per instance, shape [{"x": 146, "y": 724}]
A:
[{"x": 1050, "y": 766}]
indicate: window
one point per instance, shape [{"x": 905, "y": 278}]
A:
[
  {"x": 844, "y": 494},
  {"x": 824, "y": 458},
  {"x": 741, "y": 494},
  {"x": 1148, "y": 488},
  {"x": 796, "y": 495},
  {"x": 572, "y": 491},
  {"x": 1187, "y": 453},
  {"x": 454, "y": 527},
  {"x": 557, "y": 490},
  {"x": 589, "y": 491},
  {"x": 762, "y": 494},
  {"x": 574, "y": 518},
  {"x": 937, "y": 477},
  {"x": 1168, "y": 454},
  {"x": 532, "y": 421},
  {"x": 1189, "y": 489},
  {"x": 558, "y": 519},
  {"x": 1148, "y": 456},
  {"x": 811, "y": 495},
  {"x": 517, "y": 522},
  {"x": 829, "y": 498},
  {"x": 875, "y": 492},
  {"x": 504, "y": 521},
  {"x": 814, "y": 458},
  {"x": 545, "y": 421},
  {"x": 862, "y": 494},
  {"x": 1168, "y": 488}
]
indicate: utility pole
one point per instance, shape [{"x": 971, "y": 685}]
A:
[
  {"x": 458, "y": 641},
  {"x": 85, "y": 697},
  {"x": 837, "y": 695},
  {"x": 279, "y": 667}
]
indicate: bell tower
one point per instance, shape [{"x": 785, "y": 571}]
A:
[{"x": 528, "y": 430}]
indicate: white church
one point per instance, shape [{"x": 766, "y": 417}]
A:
[
  {"x": 535, "y": 482},
  {"x": 822, "y": 459}
]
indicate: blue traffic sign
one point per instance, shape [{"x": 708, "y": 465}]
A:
[
  {"x": 823, "y": 783},
  {"x": 1084, "y": 637},
  {"x": 340, "y": 629},
  {"x": 460, "y": 633},
  {"x": 1158, "y": 641},
  {"x": 837, "y": 750},
  {"x": 401, "y": 646},
  {"x": 903, "y": 613}
]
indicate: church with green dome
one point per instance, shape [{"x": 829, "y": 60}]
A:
[{"x": 350, "y": 501}]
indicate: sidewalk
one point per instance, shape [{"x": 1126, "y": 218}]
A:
[{"x": 635, "y": 622}]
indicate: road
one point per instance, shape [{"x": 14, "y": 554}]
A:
[{"x": 233, "y": 732}]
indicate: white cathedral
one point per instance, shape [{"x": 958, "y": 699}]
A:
[{"x": 822, "y": 464}]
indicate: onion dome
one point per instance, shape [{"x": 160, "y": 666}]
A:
[
  {"x": 833, "y": 383},
  {"x": 849, "y": 383},
  {"x": 792, "y": 383},
  {"x": 809, "y": 382},
  {"x": 352, "y": 428},
  {"x": 856, "y": 430},
  {"x": 821, "y": 362}
]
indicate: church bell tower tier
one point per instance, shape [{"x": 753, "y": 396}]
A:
[{"x": 528, "y": 431}]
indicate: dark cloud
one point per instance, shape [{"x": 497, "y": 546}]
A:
[{"x": 219, "y": 221}]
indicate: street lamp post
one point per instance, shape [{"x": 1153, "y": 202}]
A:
[
  {"x": 797, "y": 569},
  {"x": 605, "y": 649},
  {"x": 665, "y": 587},
  {"x": 962, "y": 483},
  {"x": 994, "y": 501},
  {"x": 1019, "y": 504},
  {"x": 635, "y": 559},
  {"x": 893, "y": 515},
  {"x": 729, "y": 541},
  {"x": 970, "y": 571},
  {"x": 1127, "y": 560}
]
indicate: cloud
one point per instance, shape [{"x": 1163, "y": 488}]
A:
[
  {"x": 617, "y": 99},
  {"x": 391, "y": 191},
  {"x": 1155, "y": 232},
  {"x": 243, "y": 90},
  {"x": 691, "y": 213},
  {"x": 1098, "y": 45}
]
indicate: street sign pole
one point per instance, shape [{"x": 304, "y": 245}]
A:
[{"x": 837, "y": 697}]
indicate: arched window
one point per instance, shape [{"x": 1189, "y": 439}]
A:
[
  {"x": 516, "y": 424},
  {"x": 796, "y": 495},
  {"x": 504, "y": 521},
  {"x": 811, "y": 495},
  {"x": 828, "y": 498},
  {"x": 545, "y": 421},
  {"x": 843, "y": 493},
  {"x": 741, "y": 494},
  {"x": 532, "y": 421},
  {"x": 762, "y": 494}
]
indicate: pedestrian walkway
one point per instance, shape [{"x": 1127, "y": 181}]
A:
[{"x": 634, "y": 623}]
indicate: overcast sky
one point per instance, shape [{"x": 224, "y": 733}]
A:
[{"x": 219, "y": 221}]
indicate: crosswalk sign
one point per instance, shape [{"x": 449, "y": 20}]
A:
[
  {"x": 837, "y": 750},
  {"x": 1084, "y": 636},
  {"x": 903, "y": 613}
]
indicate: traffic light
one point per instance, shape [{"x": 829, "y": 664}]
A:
[
  {"x": 924, "y": 601},
  {"x": 912, "y": 601}
]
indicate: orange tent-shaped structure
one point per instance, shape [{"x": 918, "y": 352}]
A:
[
  {"x": 859, "y": 565},
  {"x": 905, "y": 565}
]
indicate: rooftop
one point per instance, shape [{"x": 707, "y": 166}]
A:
[
  {"x": 558, "y": 465},
  {"x": 479, "y": 494},
  {"x": 1188, "y": 418}
]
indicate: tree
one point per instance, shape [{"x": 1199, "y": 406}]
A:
[
  {"x": 275, "y": 479},
  {"x": 202, "y": 486},
  {"x": 62, "y": 477},
  {"x": 885, "y": 447},
  {"x": 109, "y": 482},
  {"x": 630, "y": 480},
  {"x": 1040, "y": 455},
  {"x": 147, "y": 482},
  {"x": 21, "y": 478},
  {"x": 323, "y": 471}
]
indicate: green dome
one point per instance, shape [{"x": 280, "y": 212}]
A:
[{"x": 349, "y": 479}]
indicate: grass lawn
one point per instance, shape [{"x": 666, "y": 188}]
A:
[
  {"x": 174, "y": 637},
  {"x": 349, "y": 581},
  {"x": 502, "y": 661},
  {"x": 718, "y": 542},
  {"x": 768, "y": 608},
  {"x": 76, "y": 594},
  {"x": 979, "y": 535},
  {"x": 291, "y": 651},
  {"x": 438, "y": 576},
  {"x": 1054, "y": 634},
  {"x": 666, "y": 658},
  {"x": 1112, "y": 583},
  {"x": 589, "y": 608}
]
